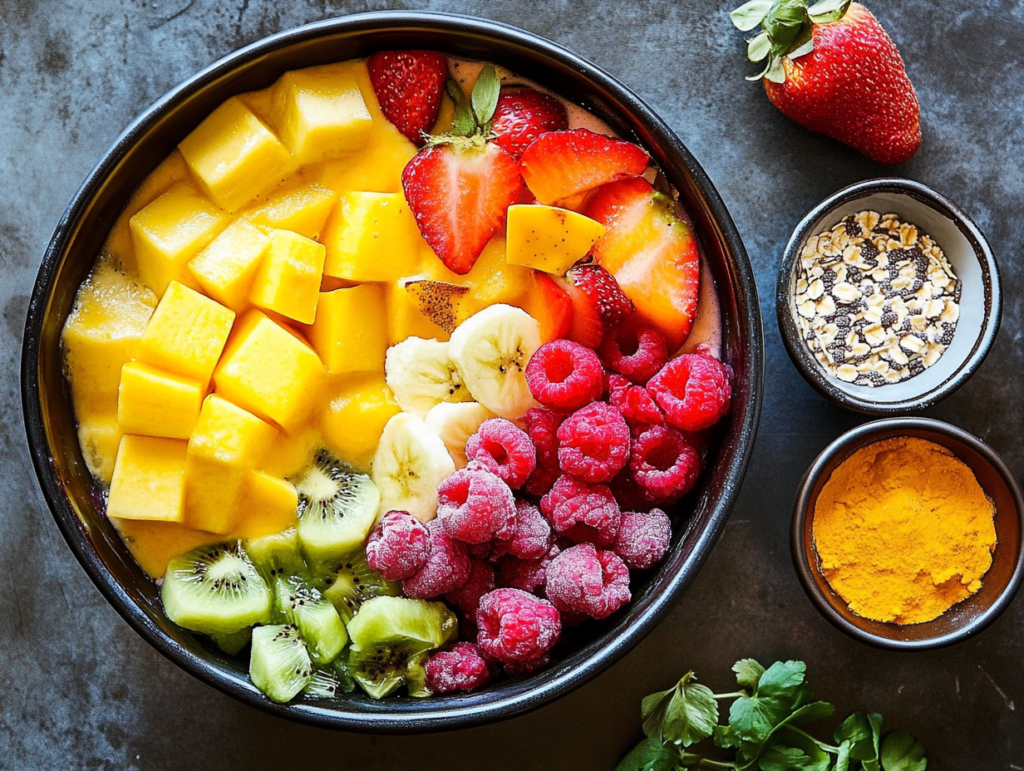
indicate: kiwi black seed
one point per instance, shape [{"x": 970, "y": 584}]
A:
[
  {"x": 318, "y": 622},
  {"x": 279, "y": 665},
  {"x": 349, "y": 582}
]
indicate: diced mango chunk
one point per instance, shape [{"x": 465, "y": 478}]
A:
[
  {"x": 548, "y": 238},
  {"x": 186, "y": 334},
  {"x": 99, "y": 438},
  {"x": 492, "y": 280},
  {"x": 371, "y": 237},
  {"x": 156, "y": 403},
  {"x": 351, "y": 331},
  {"x": 149, "y": 480},
  {"x": 235, "y": 157},
  {"x": 154, "y": 544},
  {"x": 404, "y": 317},
  {"x": 301, "y": 208},
  {"x": 226, "y": 267},
  {"x": 356, "y": 417},
  {"x": 269, "y": 505},
  {"x": 288, "y": 279}
]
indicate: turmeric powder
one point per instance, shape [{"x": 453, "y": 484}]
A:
[{"x": 903, "y": 531}]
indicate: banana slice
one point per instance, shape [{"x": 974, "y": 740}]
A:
[
  {"x": 455, "y": 423},
  {"x": 491, "y": 349},
  {"x": 421, "y": 374},
  {"x": 410, "y": 462}
]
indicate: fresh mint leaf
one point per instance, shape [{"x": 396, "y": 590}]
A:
[
  {"x": 685, "y": 714},
  {"x": 648, "y": 755},
  {"x": 748, "y": 673},
  {"x": 485, "y": 94},
  {"x": 902, "y": 752},
  {"x": 826, "y": 11},
  {"x": 750, "y": 14}
]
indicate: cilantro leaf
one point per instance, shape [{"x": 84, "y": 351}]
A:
[
  {"x": 684, "y": 715},
  {"x": 843, "y": 757},
  {"x": 862, "y": 733},
  {"x": 748, "y": 673},
  {"x": 780, "y": 692},
  {"x": 902, "y": 752},
  {"x": 793, "y": 750},
  {"x": 648, "y": 755}
]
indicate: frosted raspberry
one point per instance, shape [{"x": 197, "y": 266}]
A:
[
  {"x": 516, "y": 626},
  {"x": 475, "y": 505},
  {"x": 628, "y": 494},
  {"x": 463, "y": 668},
  {"x": 643, "y": 538},
  {"x": 528, "y": 575},
  {"x": 634, "y": 351},
  {"x": 446, "y": 569},
  {"x": 505, "y": 449},
  {"x": 582, "y": 512},
  {"x": 523, "y": 668},
  {"x": 664, "y": 464},
  {"x": 542, "y": 427},
  {"x": 398, "y": 546},
  {"x": 693, "y": 390},
  {"x": 593, "y": 443},
  {"x": 564, "y": 375},
  {"x": 585, "y": 580},
  {"x": 541, "y": 480},
  {"x": 633, "y": 403},
  {"x": 532, "y": 535},
  {"x": 479, "y": 551},
  {"x": 467, "y": 597}
]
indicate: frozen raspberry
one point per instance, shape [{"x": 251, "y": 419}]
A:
[
  {"x": 634, "y": 351},
  {"x": 542, "y": 427},
  {"x": 522, "y": 668},
  {"x": 475, "y": 505},
  {"x": 505, "y": 449},
  {"x": 693, "y": 390},
  {"x": 541, "y": 480},
  {"x": 446, "y": 569},
  {"x": 532, "y": 535},
  {"x": 634, "y": 403},
  {"x": 463, "y": 668},
  {"x": 479, "y": 551},
  {"x": 593, "y": 443},
  {"x": 628, "y": 494},
  {"x": 564, "y": 375},
  {"x": 467, "y": 597},
  {"x": 643, "y": 538},
  {"x": 516, "y": 626},
  {"x": 398, "y": 546},
  {"x": 585, "y": 580},
  {"x": 664, "y": 464},
  {"x": 582, "y": 512},
  {"x": 527, "y": 575}
]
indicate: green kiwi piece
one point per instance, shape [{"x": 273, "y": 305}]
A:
[
  {"x": 337, "y": 508},
  {"x": 349, "y": 582},
  {"x": 340, "y": 668},
  {"x": 234, "y": 642},
  {"x": 279, "y": 665},
  {"x": 416, "y": 676},
  {"x": 319, "y": 623},
  {"x": 215, "y": 589},
  {"x": 277, "y": 554},
  {"x": 325, "y": 684}
]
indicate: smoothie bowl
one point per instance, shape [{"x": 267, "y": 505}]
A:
[{"x": 394, "y": 373}]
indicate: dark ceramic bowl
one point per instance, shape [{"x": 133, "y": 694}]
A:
[
  {"x": 963, "y": 620},
  {"x": 967, "y": 251},
  {"x": 70, "y": 492}
]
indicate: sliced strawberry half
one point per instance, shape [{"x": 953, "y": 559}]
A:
[
  {"x": 409, "y": 86},
  {"x": 552, "y": 307},
  {"x": 522, "y": 115},
  {"x": 651, "y": 253},
  {"x": 586, "y": 328},
  {"x": 604, "y": 292},
  {"x": 561, "y": 164}
]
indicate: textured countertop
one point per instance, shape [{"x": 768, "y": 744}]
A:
[{"x": 80, "y": 690}]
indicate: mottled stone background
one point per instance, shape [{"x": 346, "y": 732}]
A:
[{"x": 81, "y": 690}]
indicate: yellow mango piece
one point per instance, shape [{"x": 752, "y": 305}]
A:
[
  {"x": 225, "y": 269},
  {"x": 288, "y": 279},
  {"x": 269, "y": 505},
  {"x": 548, "y": 238},
  {"x": 300, "y": 208},
  {"x": 149, "y": 480},
  {"x": 439, "y": 301},
  {"x": 355, "y": 419},
  {"x": 371, "y": 237},
  {"x": 269, "y": 371},
  {"x": 169, "y": 232},
  {"x": 319, "y": 113},
  {"x": 156, "y": 403},
  {"x": 99, "y": 438},
  {"x": 235, "y": 157},
  {"x": 101, "y": 334},
  {"x": 155, "y": 544},
  {"x": 186, "y": 334},
  {"x": 351, "y": 332},
  {"x": 405, "y": 319},
  {"x": 225, "y": 446},
  {"x": 492, "y": 280}
]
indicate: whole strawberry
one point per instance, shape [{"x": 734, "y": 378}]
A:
[
  {"x": 409, "y": 86},
  {"x": 522, "y": 115},
  {"x": 833, "y": 69}
]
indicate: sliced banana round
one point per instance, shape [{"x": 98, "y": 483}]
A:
[
  {"x": 455, "y": 423},
  {"x": 421, "y": 374},
  {"x": 491, "y": 349},
  {"x": 410, "y": 462}
]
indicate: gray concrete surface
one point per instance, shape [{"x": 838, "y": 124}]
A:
[{"x": 80, "y": 690}]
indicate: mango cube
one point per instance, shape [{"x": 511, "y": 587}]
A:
[
  {"x": 99, "y": 437},
  {"x": 156, "y": 403},
  {"x": 269, "y": 371},
  {"x": 302, "y": 209},
  {"x": 235, "y": 157},
  {"x": 319, "y": 113},
  {"x": 149, "y": 480},
  {"x": 225, "y": 269},
  {"x": 404, "y": 317},
  {"x": 269, "y": 505},
  {"x": 355, "y": 420},
  {"x": 493, "y": 280},
  {"x": 351, "y": 332},
  {"x": 186, "y": 334},
  {"x": 371, "y": 237},
  {"x": 169, "y": 232},
  {"x": 288, "y": 279},
  {"x": 548, "y": 238}
]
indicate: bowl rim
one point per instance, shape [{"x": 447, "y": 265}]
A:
[
  {"x": 430, "y": 715},
  {"x": 805, "y": 362},
  {"x": 861, "y": 436}
]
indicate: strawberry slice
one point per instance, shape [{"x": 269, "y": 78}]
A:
[
  {"x": 409, "y": 86},
  {"x": 561, "y": 164},
  {"x": 651, "y": 253},
  {"x": 551, "y": 306},
  {"x": 522, "y": 115},
  {"x": 603, "y": 290},
  {"x": 586, "y": 328}
]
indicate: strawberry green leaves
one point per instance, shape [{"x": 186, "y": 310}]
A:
[
  {"x": 473, "y": 115},
  {"x": 751, "y": 14},
  {"x": 682, "y": 715}
]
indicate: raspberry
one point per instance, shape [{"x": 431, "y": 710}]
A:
[
  {"x": 505, "y": 449},
  {"x": 634, "y": 351},
  {"x": 475, "y": 505},
  {"x": 527, "y": 575},
  {"x": 542, "y": 427},
  {"x": 541, "y": 480},
  {"x": 585, "y": 580},
  {"x": 532, "y": 535},
  {"x": 628, "y": 494},
  {"x": 693, "y": 390},
  {"x": 582, "y": 512},
  {"x": 634, "y": 403},
  {"x": 664, "y": 464},
  {"x": 467, "y": 597},
  {"x": 521, "y": 668},
  {"x": 463, "y": 668},
  {"x": 398, "y": 546},
  {"x": 564, "y": 375},
  {"x": 643, "y": 538},
  {"x": 516, "y": 626},
  {"x": 446, "y": 569},
  {"x": 593, "y": 443}
]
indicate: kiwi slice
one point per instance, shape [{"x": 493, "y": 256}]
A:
[
  {"x": 350, "y": 582},
  {"x": 277, "y": 554},
  {"x": 337, "y": 508},
  {"x": 319, "y": 624},
  {"x": 234, "y": 642},
  {"x": 215, "y": 589},
  {"x": 279, "y": 665},
  {"x": 416, "y": 676},
  {"x": 325, "y": 684}
]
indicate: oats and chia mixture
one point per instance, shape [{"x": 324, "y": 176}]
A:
[{"x": 877, "y": 300}]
